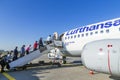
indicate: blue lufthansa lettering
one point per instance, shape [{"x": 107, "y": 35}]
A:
[
  {"x": 72, "y": 32},
  {"x": 68, "y": 33},
  {"x": 108, "y": 24},
  {"x": 86, "y": 29},
  {"x": 76, "y": 31},
  {"x": 101, "y": 26},
  {"x": 116, "y": 22},
  {"x": 83, "y": 29},
  {"x": 94, "y": 27}
]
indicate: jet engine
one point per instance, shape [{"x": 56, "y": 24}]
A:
[{"x": 102, "y": 56}]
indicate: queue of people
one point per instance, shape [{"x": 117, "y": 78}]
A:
[{"x": 15, "y": 54}]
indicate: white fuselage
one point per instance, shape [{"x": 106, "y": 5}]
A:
[{"x": 75, "y": 39}]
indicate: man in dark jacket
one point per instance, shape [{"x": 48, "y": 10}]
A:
[
  {"x": 40, "y": 43},
  {"x": 15, "y": 53}
]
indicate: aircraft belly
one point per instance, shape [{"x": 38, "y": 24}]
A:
[{"x": 72, "y": 53}]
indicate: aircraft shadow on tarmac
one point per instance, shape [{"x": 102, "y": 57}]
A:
[{"x": 33, "y": 69}]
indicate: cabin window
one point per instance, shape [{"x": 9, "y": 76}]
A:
[
  {"x": 71, "y": 37},
  {"x": 96, "y": 32},
  {"x": 91, "y": 33},
  {"x": 68, "y": 37},
  {"x": 86, "y": 34},
  {"x": 78, "y": 35},
  {"x": 82, "y": 35},
  {"x": 101, "y": 31},
  {"x": 74, "y": 36},
  {"x": 107, "y": 31}
]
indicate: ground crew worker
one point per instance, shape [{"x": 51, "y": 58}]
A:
[{"x": 15, "y": 53}]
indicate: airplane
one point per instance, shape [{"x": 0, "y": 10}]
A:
[
  {"x": 97, "y": 45},
  {"x": 75, "y": 39},
  {"x": 91, "y": 43}
]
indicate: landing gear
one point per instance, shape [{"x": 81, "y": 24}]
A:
[{"x": 64, "y": 59}]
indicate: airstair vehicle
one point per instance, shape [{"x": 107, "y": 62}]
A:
[{"x": 55, "y": 54}]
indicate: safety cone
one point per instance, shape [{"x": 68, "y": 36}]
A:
[{"x": 91, "y": 72}]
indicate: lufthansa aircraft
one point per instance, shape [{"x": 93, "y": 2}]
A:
[{"x": 98, "y": 44}]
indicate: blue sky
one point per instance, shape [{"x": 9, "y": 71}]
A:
[{"x": 25, "y": 21}]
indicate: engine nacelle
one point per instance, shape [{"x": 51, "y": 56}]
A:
[{"x": 102, "y": 56}]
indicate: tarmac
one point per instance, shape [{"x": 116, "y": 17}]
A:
[{"x": 73, "y": 70}]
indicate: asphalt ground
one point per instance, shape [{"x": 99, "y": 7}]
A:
[{"x": 73, "y": 70}]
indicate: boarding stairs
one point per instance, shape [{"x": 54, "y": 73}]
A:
[{"x": 35, "y": 54}]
